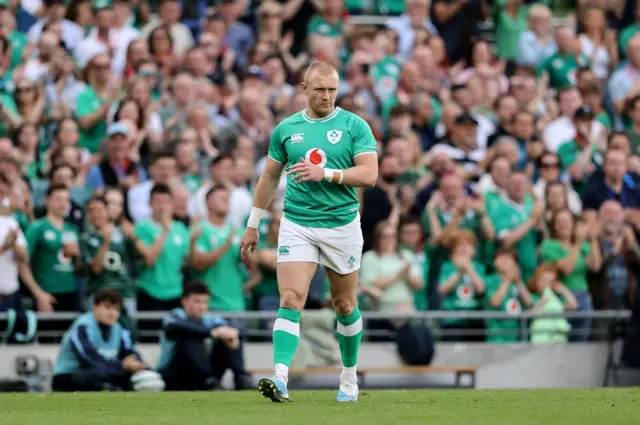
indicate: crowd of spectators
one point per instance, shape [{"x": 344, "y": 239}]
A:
[{"x": 132, "y": 134}]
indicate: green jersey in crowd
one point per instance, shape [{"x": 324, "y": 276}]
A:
[
  {"x": 52, "y": 269},
  {"x": 568, "y": 154},
  {"x": 551, "y": 250},
  {"x": 333, "y": 142},
  {"x": 507, "y": 216},
  {"x": 88, "y": 103},
  {"x": 115, "y": 268},
  {"x": 163, "y": 280},
  {"x": 318, "y": 25},
  {"x": 562, "y": 69},
  {"x": 226, "y": 276},
  {"x": 268, "y": 286},
  {"x": 502, "y": 330},
  {"x": 463, "y": 297}
]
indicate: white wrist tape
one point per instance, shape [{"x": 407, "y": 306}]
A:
[
  {"x": 256, "y": 215},
  {"x": 329, "y": 172}
]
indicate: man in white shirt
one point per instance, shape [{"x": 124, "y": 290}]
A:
[
  {"x": 72, "y": 33},
  {"x": 162, "y": 170},
  {"x": 416, "y": 16},
  {"x": 563, "y": 129},
  {"x": 169, "y": 13},
  {"x": 39, "y": 67},
  {"x": 14, "y": 260},
  {"x": 111, "y": 35}
]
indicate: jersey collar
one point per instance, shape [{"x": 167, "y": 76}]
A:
[{"x": 307, "y": 118}]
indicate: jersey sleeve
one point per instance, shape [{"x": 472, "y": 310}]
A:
[
  {"x": 85, "y": 104},
  {"x": 363, "y": 139},
  {"x": 550, "y": 252},
  {"x": 33, "y": 236},
  {"x": 86, "y": 250},
  {"x": 142, "y": 233},
  {"x": 277, "y": 151}
]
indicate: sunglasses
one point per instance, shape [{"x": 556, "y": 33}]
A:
[
  {"x": 23, "y": 89},
  {"x": 270, "y": 15},
  {"x": 548, "y": 165}
]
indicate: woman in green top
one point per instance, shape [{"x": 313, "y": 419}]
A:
[
  {"x": 573, "y": 256},
  {"x": 388, "y": 274},
  {"x": 510, "y": 17},
  {"x": 461, "y": 286},
  {"x": 506, "y": 292},
  {"x": 94, "y": 103},
  {"x": 106, "y": 253}
]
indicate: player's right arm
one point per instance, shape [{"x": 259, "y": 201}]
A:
[{"x": 265, "y": 189}]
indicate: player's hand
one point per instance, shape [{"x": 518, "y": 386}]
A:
[
  {"x": 305, "y": 171},
  {"x": 248, "y": 242}
]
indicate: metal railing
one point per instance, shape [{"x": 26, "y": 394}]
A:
[{"x": 149, "y": 322}]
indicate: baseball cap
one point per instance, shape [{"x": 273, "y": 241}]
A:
[
  {"x": 117, "y": 128},
  {"x": 584, "y": 113},
  {"x": 466, "y": 118}
]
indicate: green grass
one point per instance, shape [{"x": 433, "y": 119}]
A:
[{"x": 441, "y": 407}]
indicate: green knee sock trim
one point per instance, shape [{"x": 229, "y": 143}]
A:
[
  {"x": 349, "y": 319},
  {"x": 288, "y": 314}
]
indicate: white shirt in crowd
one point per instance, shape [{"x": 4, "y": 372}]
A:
[
  {"x": 562, "y": 130},
  {"x": 9, "y": 277},
  {"x": 240, "y": 203},
  {"x": 119, "y": 39},
  {"x": 180, "y": 34}
]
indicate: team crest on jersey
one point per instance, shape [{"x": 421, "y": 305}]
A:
[
  {"x": 316, "y": 156},
  {"x": 465, "y": 292},
  {"x": 177, "y": 240},
  {"x": 334, "y": 136},
  {"x": 63, "y": 258},
  {"x": 49, "y": 235},
  {"x": 513, "y": 306}
]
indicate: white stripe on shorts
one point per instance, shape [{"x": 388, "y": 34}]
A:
[
  {"x": 287, "y": 326},
  {"x": 353, "y": 329}
]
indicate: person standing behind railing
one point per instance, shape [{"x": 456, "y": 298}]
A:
[
  {"x": 461, "y": 286},
  {"x": 549, "y": 296},
  {"x": 106, "y": 255},
  {"x": 573, "y": 256},
  {"x": 388, "y": 276},
  {"x": 506, "y": 292}
]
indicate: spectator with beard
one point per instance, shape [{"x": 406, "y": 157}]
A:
[{"x": 617, "y": 280}]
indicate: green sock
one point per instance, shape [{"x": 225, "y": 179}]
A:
[
  {"x": 349, "y": 337},
  {"x": 286, "y": 334}
]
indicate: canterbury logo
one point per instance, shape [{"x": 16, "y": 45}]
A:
[
  {"x": 283, "y": 250},
  {"x": 297, "y": 138}
]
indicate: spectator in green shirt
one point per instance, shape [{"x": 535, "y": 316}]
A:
[
  {"x": 563, "y": 65},
  {"x": 215, "y": 253},
  {"x": 573, "y": 256},
  {"x": 266, "y": 290},
  {"x": 164, "y": 244},
  {"x": 329, "y": 22},
  {"x": 54, "y": 251},
  {"x": 506, "y": 292},
  {"x": 94, "y": 103},
  {"x": 461, "y": 286}
]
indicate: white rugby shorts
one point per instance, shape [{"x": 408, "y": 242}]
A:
[{"x": 337, "y": 248}]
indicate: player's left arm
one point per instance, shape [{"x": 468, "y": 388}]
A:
[{"x": 363, "y": 174}]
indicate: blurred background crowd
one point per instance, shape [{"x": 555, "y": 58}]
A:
[{"x": 508, "y": 135}]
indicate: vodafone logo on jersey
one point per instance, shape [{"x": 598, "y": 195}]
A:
[{"x": 316, "y": 156}]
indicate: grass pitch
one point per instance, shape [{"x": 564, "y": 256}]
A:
[{"x": 441, "y": 407}]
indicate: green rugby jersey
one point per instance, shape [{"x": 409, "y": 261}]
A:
[{"x": 332, "y": 142}]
